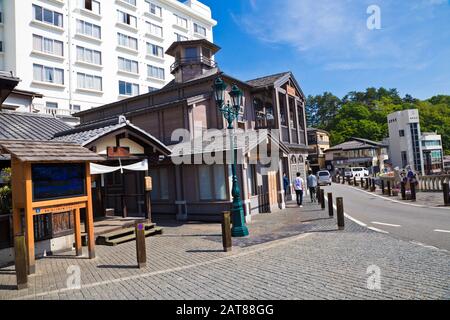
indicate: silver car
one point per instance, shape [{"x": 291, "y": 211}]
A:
[{"x": 324, "y": 178}]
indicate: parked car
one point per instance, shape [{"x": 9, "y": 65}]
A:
[
  {"x": 324, "y": 178},
  {"x": 356, "y": 172}
]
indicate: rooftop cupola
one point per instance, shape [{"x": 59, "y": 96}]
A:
[{"x": 193, "y": 59}]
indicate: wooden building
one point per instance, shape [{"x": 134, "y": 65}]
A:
[{"x": 201, "y": 191}]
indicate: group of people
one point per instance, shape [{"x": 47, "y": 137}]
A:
[{"x": 299, "y": 186}]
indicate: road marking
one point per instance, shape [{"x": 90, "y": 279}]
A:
[
  {"x": 443, "y": 231},
  {"x": 378, "y": 230},
  {"x": 424, "y": 245},
  {"x": 349, "y": 217},
  {"x": 387, "y": 224},
  {"x": 397, "y": 201}
]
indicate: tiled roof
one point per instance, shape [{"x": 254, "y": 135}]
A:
[
  {"x": 268, "y": 80},
  {"x": 86, "y": 134},
  {"x": 356, "y": 143},
  {"x": 46, "y": 151},
  {"x": 29, "y": 126}
]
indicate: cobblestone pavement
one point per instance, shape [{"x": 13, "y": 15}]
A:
[{"x": 293, "y": 254}]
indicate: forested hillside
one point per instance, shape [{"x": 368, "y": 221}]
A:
[{"x": 364, "y": 114}]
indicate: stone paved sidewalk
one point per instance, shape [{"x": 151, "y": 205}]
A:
[{"x": 293, "y": 254}]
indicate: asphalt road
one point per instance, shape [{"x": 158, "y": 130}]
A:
[{"x": 426, "y": 226}]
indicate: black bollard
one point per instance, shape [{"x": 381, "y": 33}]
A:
[
  {"x": 403, "y": 190},
  {"x": 446, "y": 190},
  {"x": 413, "y": 191},
  {"x": 382, "y": 186},
  {"x": 389, "y": 188},
  {"x": 330, "y": 204},
  {"x": 226, "y": 231},
  {"x": 340, "y": 213},
  {"x": 322, "y": 198},
  {"x": 362, "y": 183},
  {"x": 318, "y": 195}
]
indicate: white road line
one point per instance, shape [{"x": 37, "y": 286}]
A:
[
  {"x": 443, "y": 231},
  {"x": 347, "y": 216},
  {"x": 386, "y": 224},
  {"x": 378, "y": 230}
]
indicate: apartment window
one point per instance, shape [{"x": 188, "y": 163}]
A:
[
  {"x": 1, "y": 46},
  {"x": 199, "y": 29},
  {"x": 401, "y": 133},
  {"x": 127, "y": 41},
  {"x": 211, "y": 181},
  {"x": 180, "y": 37},
  {"x": 154, "y": 9},
  {"x": 90, "y": 82},
  {"x": 154, "y": 29},
  {"x": 126, "y": 18},
  {"x": 47, "y": 16},
  {"x": 75, "y": 107},
  {"x": 155, "y": 50},
  {"x": 90, "y": 5},
  {"x": 128, "y": 65},
  {"x": 88, "y": 29},
  {"x": 47, "y": 45},
  {"x": 155, "y": 72},
  {"x": 132, "y": 2},
  {"x": 128, "y": 89},
  {"x": 48, "y": 74},
  {"x": 89, "y": 56},
  {"x": 151, "y": 89},
  {"x": 180, "y": 21},
  {"x": 1, "y": 17},
  {"x": 51, "y": 105}
]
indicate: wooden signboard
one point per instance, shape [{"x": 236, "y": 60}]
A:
[
  {"x": 118, "y": 152},
  {"x": 58, "y": 209},
  {"x": 148, "y": 184},
  {"x": 291, "y": 91}
]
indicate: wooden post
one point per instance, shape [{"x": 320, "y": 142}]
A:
[
  {"x": 389, "y": 188},
  {"x": 322, "y": 198},
  {"x": 413, "y": 191},
  {"x": 340, "y": 213},
  {"x": 226, "y": 231},
  {"x": 362, "y": 183},
  {"x": 77, "y": 227},
  {"x": 446, "y": 190},
  {"x": 382, "y": 186},
  {"x": 367, "y": 183},
  {"x": 374, "y": 186},
  {"x": 89, "y": 215},
  {"x": 141, "y": 253},
  {"x": 330, "y": 204},
  {"x": 403, "y": 190},
  {"x": 29, "y": 221},
  {"x": 319, "y": 194},
  {"x": 354, "y": 182},
  {"x": 20, "y": 253}
]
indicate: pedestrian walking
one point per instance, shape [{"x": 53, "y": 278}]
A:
[
  {"x": 299, "y": 187},
  {"x": 311, "y": 182}
]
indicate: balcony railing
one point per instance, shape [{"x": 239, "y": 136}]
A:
[
  {"x": 53, "y": 111},
  {"x": 193, "y": 60}
]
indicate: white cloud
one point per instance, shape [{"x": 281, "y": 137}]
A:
[{"x": 335, "y": 34}]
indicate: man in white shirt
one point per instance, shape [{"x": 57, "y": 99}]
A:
[{"x": 298, "y": 187}]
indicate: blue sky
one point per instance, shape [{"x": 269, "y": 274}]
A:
[{"x": 327, "y": 44}]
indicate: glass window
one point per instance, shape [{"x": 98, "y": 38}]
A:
[
  {"x": 154, "y": 9},
  {"x": 190, "y": 53},
  {"x": 199, "y": 29},
  {"x": 128, "y": 89},
  {"x": 51, "y": 105},
  {"x": 126, "y": 18},
  {"x": 128, "y": 65},
  {"x": 154, "y": 29},
  {"x": 204, "y": 179},
  {"x": 155, "y": 72},
  {"x": 88, "y": 29},
  {"x": 180, "y": 21},
  {"x": 180, "y": 37},
  {"x": 86, "y": 81},
  {"x": 127, "y": 41},
  {"x": 48, "y": 74},
  {"x": 155, "y": 50}
]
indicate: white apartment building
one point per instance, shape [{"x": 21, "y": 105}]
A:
[
  {"x": 81, "y": 54},
  {"x": 405, "y": 148},
  {"x": 433, "y": 153}
]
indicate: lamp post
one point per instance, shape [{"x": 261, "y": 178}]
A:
[{"x": 230, "y": 113}]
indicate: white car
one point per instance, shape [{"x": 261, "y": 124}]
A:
[
  {"x": 324, "y": 178},
  {"x": 356, "y": 172}
]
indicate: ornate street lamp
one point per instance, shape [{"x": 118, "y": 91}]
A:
[{"x": 230, "y": 113}]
